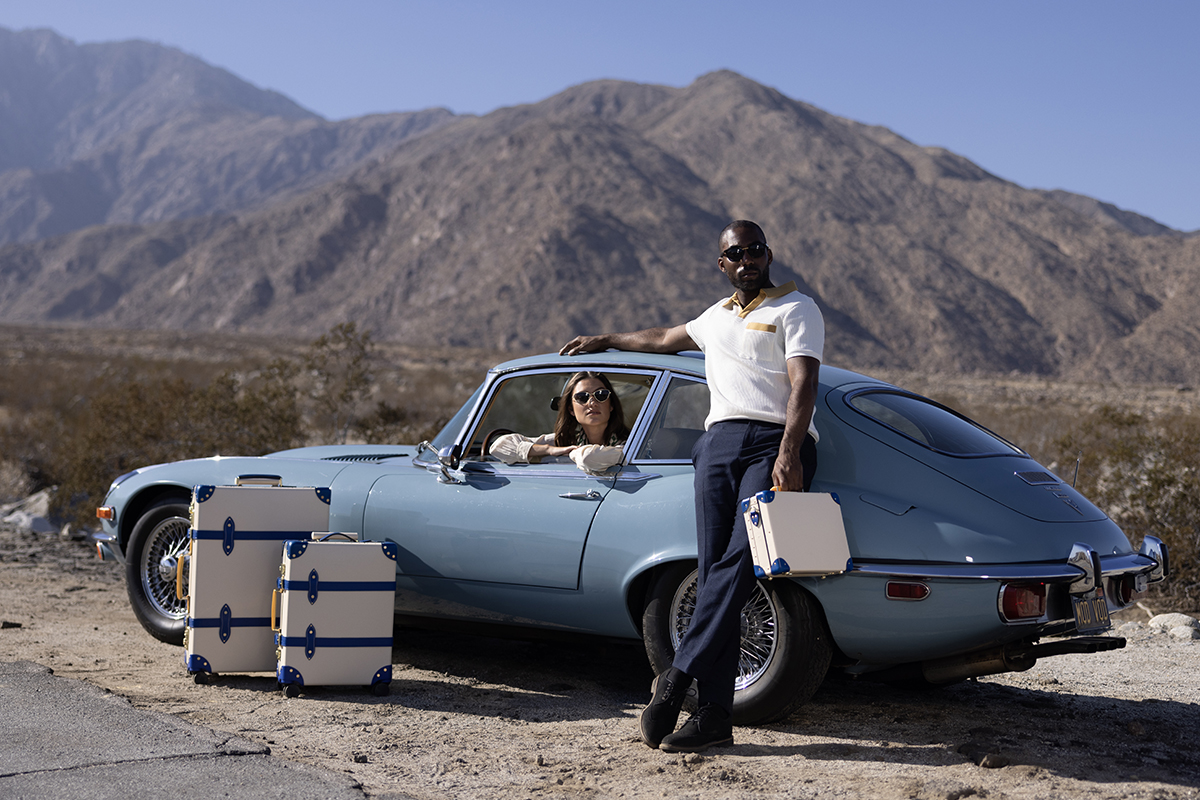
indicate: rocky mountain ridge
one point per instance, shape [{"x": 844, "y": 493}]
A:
[{"x": 598, "y": 209}]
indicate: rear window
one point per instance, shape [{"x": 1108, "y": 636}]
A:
[{"x": 930, "y": 424}]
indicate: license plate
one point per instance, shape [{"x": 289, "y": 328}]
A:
[{"x": 1091, "y": 613}]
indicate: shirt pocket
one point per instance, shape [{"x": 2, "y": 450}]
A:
[{"x": 761, "y": 341}]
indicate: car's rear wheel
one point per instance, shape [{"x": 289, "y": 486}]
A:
[
  {"x": 158, "y": 542},
  {"x": 785, "y": 651}
]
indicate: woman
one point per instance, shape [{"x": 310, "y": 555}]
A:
[{"x": 590, "y": 429}]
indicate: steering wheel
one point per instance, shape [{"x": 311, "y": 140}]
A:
[{"x": 491, "y": 437}]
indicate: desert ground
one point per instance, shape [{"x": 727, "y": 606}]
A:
[{"x": 479, "y": 717}]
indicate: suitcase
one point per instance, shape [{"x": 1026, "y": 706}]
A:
[
  {"x": 334, "y": 603},
  {"x": 796, "y": 533},
  {"x": 237, "y": 537}
]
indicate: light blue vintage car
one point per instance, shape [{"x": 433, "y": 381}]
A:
[{"x": 968, "y": 557}]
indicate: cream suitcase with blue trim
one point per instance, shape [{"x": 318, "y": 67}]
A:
[
  {"x": 336, "y": 601},
  {"x": 796, "y": 533},
  {"x": 237, "y": 538}
]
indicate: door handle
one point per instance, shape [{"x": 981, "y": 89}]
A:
[{"x": 590, "y": 494}]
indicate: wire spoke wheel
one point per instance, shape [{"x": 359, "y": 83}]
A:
[
  {"x": 167, "y": 544},
  {"x": 760, "y": 625}
]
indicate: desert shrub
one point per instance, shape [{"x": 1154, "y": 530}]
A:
[
  {"x": 1145, "y": 474},
  {"x": 131, "y": 424},
  {"x": 338, "y": 364}
]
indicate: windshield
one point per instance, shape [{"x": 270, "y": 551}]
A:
[
  {"x": 447, "y": 434},
  {"x": 930, "y": 424}
]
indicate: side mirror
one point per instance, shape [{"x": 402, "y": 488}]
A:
[{"x": 450, "y": 455}]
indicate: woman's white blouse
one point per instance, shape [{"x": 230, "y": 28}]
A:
[{"x": 513, "y": 448}]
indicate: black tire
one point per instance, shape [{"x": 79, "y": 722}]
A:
[
  {"x": 160, "y": 537},
  {"x": 785, "y": 647}
]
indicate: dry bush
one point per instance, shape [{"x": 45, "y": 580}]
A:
[
  {"x": 1145, "y": 474},
  {"x": 126, "y": 425}
]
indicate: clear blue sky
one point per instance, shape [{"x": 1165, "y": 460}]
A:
[{"x": 1093, "y": 96}]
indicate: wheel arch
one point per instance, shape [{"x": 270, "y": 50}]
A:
[
  {"x": 141, "y": 501},
  {"x": 637, "y": 592}
]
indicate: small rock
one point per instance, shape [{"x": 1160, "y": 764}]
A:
[
  {"x": 360, "y": 758},
  {"x": 1165, "y": 622},
  {"x": 4, "y": 624},
  {"x": 994, "y": 761},
  {"x": 1185, "y": 632},
  {"x": 541, "y": 762}
]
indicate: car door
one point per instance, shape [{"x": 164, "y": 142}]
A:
[{"x": 523, "y": 524}]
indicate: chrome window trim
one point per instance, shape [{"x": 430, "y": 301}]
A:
[
  {"x": 495, "y": 377},
  {"x": 667, "y": 377},
  {"x": 848, "y": 397}
]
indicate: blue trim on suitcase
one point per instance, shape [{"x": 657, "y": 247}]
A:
[
  {"x": 203, "y": 492},
  {"x": 391, "y": 550},
  {"x": 323, "y": 495},
  {"x": 247, "y": 536},
  {"x": 290, "y": 675},
  {"x": 195, "y": 663},
  {"x": 340, "y": 586},
  {"x": 384, "y": 675},
  {"x": 234, "y": 622},
  {"x": 311, "y": 642}
]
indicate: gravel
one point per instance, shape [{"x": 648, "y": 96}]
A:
[{"x": 478, "y": 717}]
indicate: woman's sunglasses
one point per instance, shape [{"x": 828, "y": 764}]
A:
[
  {"x": 756, "y": 250},
  {"x": 582, "y": 397}
]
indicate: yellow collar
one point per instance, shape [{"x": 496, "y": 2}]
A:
[{"x": 763, "y": 294}]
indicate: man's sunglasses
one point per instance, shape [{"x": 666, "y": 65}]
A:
[
  {"x": 582, "y": 397},
  {"x": 756, "y": 250}
]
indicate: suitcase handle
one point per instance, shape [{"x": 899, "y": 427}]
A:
[
  {"x": 274, "y": 610},
  {"x": 322, "y": 537},
  {"x": 179, "y": 593},
  {"x": 258, "y": 480}
]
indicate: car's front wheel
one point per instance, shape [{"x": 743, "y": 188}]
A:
[
  {"x": 158, "y": 542},
  {"x": 785, "y": 651}
]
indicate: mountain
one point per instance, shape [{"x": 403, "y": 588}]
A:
[
  {"x": 132, "y": 132},
  {"x": 598, "y": 209}
]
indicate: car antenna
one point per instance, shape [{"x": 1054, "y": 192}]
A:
[{"x": 1076, "y": 477}]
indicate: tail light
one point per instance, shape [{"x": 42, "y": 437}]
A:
[
  {"x": 1020, "y": 602},
  {"x": 903, "y": 590}
]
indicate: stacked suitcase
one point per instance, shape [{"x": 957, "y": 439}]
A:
[
  {"x": 335, "y": 603},
  {"x": 796, "y": 533},
  {"x": 241, "y": 540},
  {"x": 237, "y": 537}
]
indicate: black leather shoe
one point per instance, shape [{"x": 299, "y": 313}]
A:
[
  {"x": 667, "y": 695},
  {"x": 709, "y": 727}
]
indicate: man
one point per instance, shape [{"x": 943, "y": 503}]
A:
[{"x": 763, "y": 349}]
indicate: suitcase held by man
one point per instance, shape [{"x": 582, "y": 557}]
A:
[
  {"x": 237, "y": 537},
  {"x": 335, "y": 599},
  {"x": 796, "y": 533}
]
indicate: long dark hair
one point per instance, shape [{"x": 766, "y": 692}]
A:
[{"x": 566, "y": 427}]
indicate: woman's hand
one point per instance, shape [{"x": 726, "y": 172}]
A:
[{"x": 550, "y": 451}]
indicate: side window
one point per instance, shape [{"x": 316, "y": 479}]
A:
[
  {"x": 523, "y": 404},
  {"x": 679, "y": 423}
]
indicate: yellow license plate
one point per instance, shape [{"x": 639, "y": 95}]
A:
[{"x": 1091, "y": 613}]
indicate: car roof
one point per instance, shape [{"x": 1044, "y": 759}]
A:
[{"x": 690, "y": 361}]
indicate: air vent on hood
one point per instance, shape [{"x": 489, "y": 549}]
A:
[
  {"x": 1038, "y": 478},
  {"x": 366, "y": 457}
]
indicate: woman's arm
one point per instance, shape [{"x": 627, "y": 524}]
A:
[
  {"x": 513, "y": 448},
  {"x": 597, "y": 458}
]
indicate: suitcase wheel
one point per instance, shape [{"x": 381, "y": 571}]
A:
[
  {"x": 203, "y": 678},
  {"x": 291, "y": 690},
  {"x": 381, "y": 689}
]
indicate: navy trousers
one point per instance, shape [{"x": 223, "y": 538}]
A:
[{"x": 733, "y": 461}]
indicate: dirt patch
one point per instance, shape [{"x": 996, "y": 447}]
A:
[{"x": 476, "y": 717}]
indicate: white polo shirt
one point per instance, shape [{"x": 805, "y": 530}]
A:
[{"x": 746, "y": 352}]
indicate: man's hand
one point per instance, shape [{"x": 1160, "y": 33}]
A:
[
  {"x": 788, "y": 474},
  {"x": 584, "y": 344}
]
